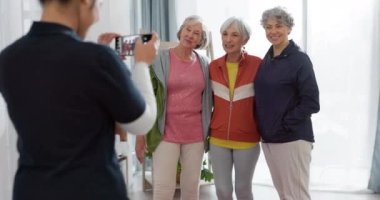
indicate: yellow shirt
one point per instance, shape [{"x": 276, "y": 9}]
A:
[{"x": 232, "y": 69}]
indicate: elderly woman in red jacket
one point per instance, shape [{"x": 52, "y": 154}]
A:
[{"x": 234, "y": 139}]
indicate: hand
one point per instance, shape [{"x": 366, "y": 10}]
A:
[
  {"x": 106, "y": 38},
  {"x": 140, "y": 148},
  {"x": 147, "y": 52}
]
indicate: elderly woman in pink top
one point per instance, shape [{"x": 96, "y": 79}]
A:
[{"x": 181, "y": 82}]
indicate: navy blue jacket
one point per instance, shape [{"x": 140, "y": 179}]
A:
[
  {"x": 64, "y": 96},
  {"x": 286, "y": 96}
]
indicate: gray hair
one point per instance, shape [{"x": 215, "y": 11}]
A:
[
  {"x": 193, "y": 19},
  {"x": 241, "y": 26},
  {"x": 280, "y": 14}
]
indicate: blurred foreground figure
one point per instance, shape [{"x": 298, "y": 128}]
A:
[{"x": 64, "y": 96}]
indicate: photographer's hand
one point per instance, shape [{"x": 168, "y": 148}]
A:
[
  {"x": 106, "y": 38},
  {"x": 147, "y": 52}
]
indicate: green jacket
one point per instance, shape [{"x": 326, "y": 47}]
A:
[{"x": 159, "y": 76}]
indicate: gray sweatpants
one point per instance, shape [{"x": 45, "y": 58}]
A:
[{"x": 243, "y": 162}]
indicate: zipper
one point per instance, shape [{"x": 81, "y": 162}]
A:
[
  {"x": 229, "y": 121},
  {"x": 230, "y": 104},
  {"x": 231, "y": 99}
]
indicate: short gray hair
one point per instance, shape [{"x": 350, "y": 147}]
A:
[
  {"x": 280, "y": 14},
  {"x": 192, "y": 20},
  {"x": 242, "y": 27}
]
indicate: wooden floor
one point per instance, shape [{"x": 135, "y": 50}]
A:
[{"x": 207, "y": 192}]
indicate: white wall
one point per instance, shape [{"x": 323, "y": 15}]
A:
[
  {"x": 11, "y": 22},
  {"x": 115, "y": 16}
]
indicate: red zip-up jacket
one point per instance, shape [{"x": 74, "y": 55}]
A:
[{"x": 233, "y": 119}]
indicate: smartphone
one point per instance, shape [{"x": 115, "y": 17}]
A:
[{"x": 125, "y": 45}]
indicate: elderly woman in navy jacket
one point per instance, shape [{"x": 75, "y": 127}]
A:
[{"x": 286, "y": 97}]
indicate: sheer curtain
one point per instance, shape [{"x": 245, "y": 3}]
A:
[
  {"x": 341, "y": 46},
  {"x": 159, "y": 16},
  {"x": 339, "y": 40},
  {"x": 374, "y": 183}
]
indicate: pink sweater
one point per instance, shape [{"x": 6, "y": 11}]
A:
[{"x": 183, "y": 108}]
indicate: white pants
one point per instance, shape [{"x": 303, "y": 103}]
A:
[
  {"x": 289, "y": 165},
  {"x": 165, "y": 159}
]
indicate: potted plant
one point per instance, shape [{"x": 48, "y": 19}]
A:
[{"x": 206, "y": 173}]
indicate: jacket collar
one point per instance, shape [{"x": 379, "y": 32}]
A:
[
  {"x": 222, "y": 62},
  {"x": 292, "y": 47}
]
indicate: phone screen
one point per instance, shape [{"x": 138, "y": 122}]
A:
[{"x": 125, "y": 45}]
